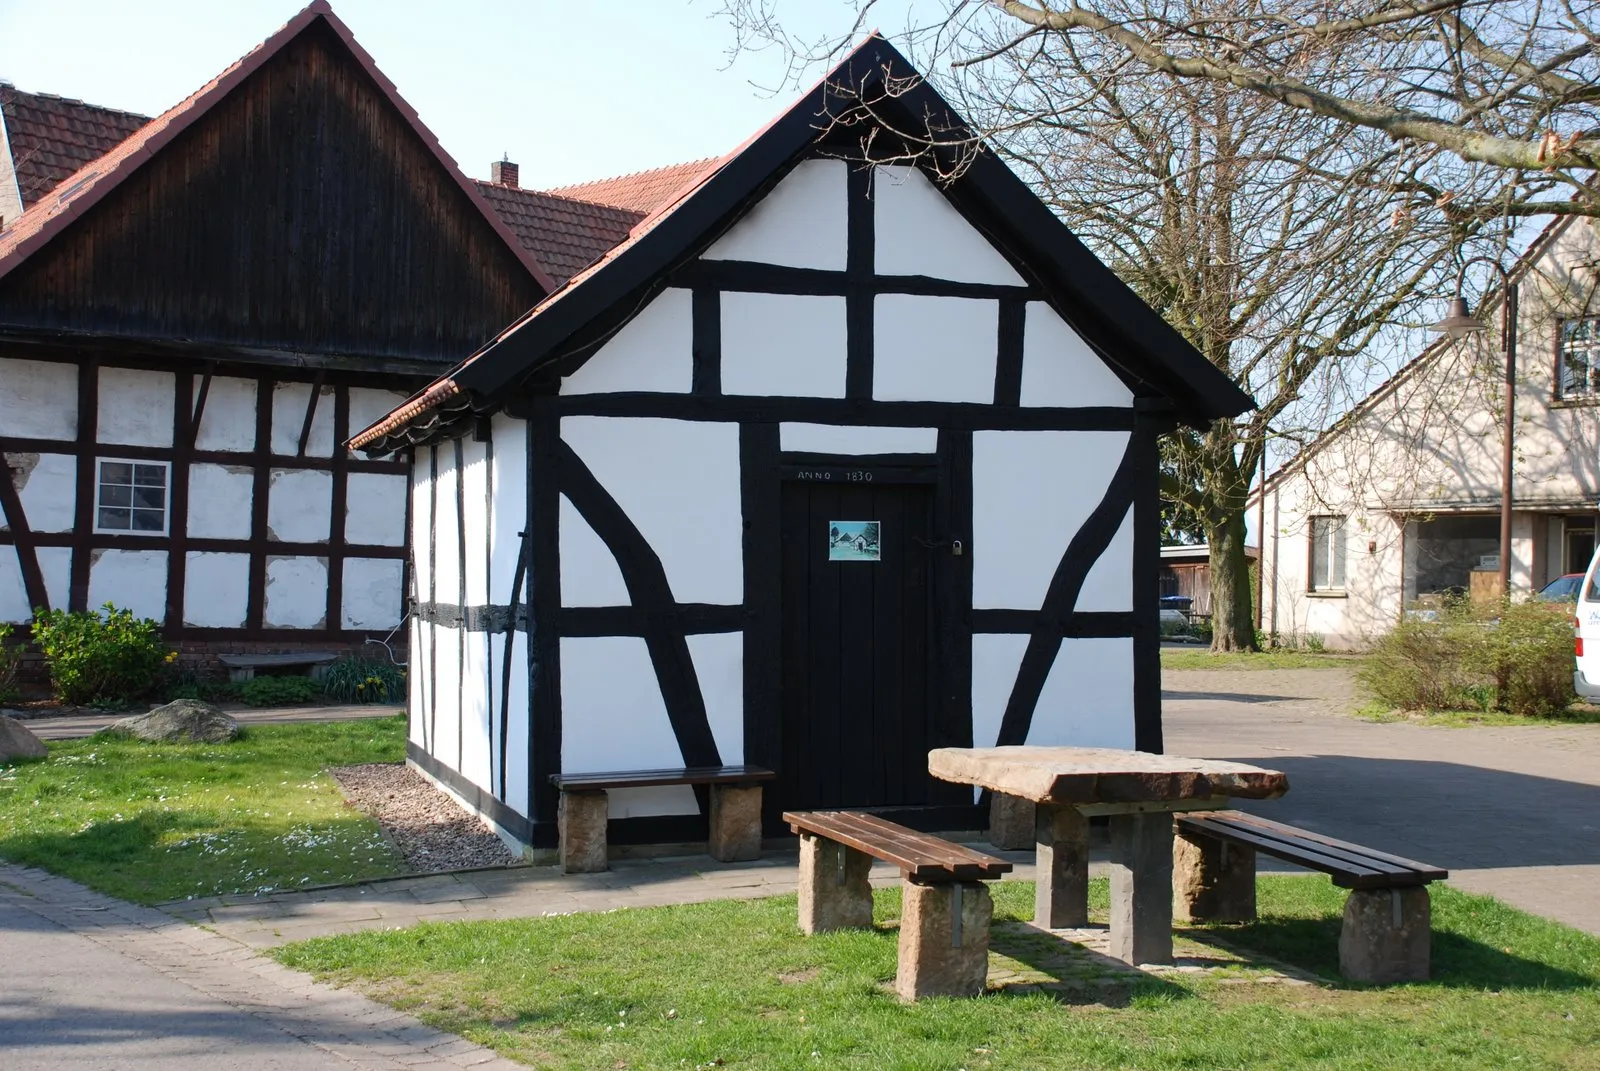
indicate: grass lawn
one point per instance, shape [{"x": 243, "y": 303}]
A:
[
  {"x": 1202, "y": 658},
  {"x": 735, "y": 984},
  {"x": 153, "y": 822},
  {"x": 1577, "y": 715}
]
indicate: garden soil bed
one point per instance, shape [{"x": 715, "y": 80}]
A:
[{"x": 425, "y": 825}]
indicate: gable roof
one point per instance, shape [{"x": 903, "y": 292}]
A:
[
  {"x": 51, "y": 137},
  {"x": 641, "y": 191},
  {"x": 94, "y": 180},
  {"x": 1117, "y": 324},
  {"x": 563, "y": 234}
]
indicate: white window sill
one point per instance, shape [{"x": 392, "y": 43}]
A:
[{"x": 1328, "y": 593}]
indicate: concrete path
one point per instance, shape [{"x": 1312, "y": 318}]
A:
[
  {"x": 1513, "y": 812},
  {"x": 73, "y": 726},
  {"x": 91, "y": 983}
]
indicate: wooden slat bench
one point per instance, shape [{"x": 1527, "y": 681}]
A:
[
  {"x": 944, "y": 922},
  {"x": 735, "y": 810},
  {"x": 1387, "y": 919}
]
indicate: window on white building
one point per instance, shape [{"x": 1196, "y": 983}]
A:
[
  {"x": 1327, "y": 554},
  {"x": 131, "y": 496},
  {"x": 1580, "y": 357}
]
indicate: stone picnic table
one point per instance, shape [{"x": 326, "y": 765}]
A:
[{"x": 1139, "y": 791}]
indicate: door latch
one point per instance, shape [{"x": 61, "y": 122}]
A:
[{"x": 955, "y": 547}]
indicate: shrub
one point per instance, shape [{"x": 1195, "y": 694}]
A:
[
  {"x": 1528, "y": 657},
  {"x": 100, "y": 659},
  {"x": 188, "y": 686},
  {"x": 278, "y": 691},
  {"x": 10, "y": 664},
  {"x": 1423, "y": 663},
  {"x": 364, "y": 680}
]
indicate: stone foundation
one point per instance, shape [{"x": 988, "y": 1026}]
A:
[
  {"x": 944, "y": 940},
  {"x": 834, "y": 894},
  {"x": 581, "y": 825},
  {"x": 735, "y": 823},
  {"x": 1387, "y": 935},
  {"x": 1212, "y": 880}
]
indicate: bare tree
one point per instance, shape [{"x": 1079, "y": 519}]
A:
[{"x": 1280, "y": 241}]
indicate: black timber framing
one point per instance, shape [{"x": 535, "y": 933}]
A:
[
  {"x": 430, "y": 736},
  {"x": 952, "y": 580},
  {"x": 760, "y": 492},
  {"x": 461, "y": 590},
  {"x": 544, "y": 641},
  {"x": 22, "y": 538},
  {"x": 1008, "y": 352},
  {"x": 84, "y": 512},
  {"x": 706, "y": 313},
  {"x": 860, "y": 256},
  {"x": 752, "y": 277},
  {"x": 862, "y": 412},
  {"x": 1146, "y": 628},
  {"x": 178, "y": 496}
]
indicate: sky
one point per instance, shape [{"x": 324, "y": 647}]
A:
[{"x": 571, "y": 91}]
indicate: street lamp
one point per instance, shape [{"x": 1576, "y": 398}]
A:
[{"x": 1459, "y": 323}]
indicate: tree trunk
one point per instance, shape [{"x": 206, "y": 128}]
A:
[{"x": 1233, "y": 627}]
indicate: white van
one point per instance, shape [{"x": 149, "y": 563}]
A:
[{"x": 1586, "y": 674}]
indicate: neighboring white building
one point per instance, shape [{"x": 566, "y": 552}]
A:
[
  {"x": 622, "y": 508},
  {"x": 1401, "y": 498}
]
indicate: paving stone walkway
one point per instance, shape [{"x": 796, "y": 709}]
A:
[{"x": 91, "y": 982}]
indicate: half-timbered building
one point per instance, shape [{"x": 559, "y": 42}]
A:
[
  {"x": 828, "y": 464},
  {"x": 197, "y": 310}
]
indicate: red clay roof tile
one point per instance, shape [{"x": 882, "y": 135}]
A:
[
  {"x": 643, "y": 191},
  {"x": 564, "y": 235},
  {"x": 51, "y": 137}
]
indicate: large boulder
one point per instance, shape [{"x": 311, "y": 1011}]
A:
[
  {"x": 183, "y": 720},
  {"x": 18, "y": 742}
]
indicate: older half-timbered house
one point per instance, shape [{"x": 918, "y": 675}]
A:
[
  {"x": 827, "y": 465},
  {"x": 196, "y": 311}
]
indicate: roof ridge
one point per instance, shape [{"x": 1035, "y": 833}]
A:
[
  {"x": 75, "y": 101},
  {"x": 704, "y": 162},
  {"x": 531, "y": 192}
]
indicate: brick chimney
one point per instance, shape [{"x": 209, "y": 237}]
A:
[{"x": 503, "y": 173}]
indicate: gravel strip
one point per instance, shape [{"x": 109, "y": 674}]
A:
[{"x": 428, "y": 827}]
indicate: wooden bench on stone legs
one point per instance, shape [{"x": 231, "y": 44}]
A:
[
  {"x": 735, "y": 810},
  {"x": 1387, "y": 920},
  {"x": 944, "y": 922}
]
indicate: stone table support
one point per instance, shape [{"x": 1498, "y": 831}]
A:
[
  {"x": 1212, "y": 880},
  {"x": 1061, "y": 885},
  {"x": 1141, "y": 887},
  {"x": 581, "y": 825},
  {"x": 1011, "y": 822},
  {"x": 735, "y": 823},
  {"x": 834, "y": 893}
]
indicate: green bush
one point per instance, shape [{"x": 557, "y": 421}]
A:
[
  {"x": 364, "y": 680},
  {"x": 1514, "y": 656},
  {"x": 188, "y": 686},
  {"x": 101, "y": 659},
  {"x": 10, "y": 664},
  {"x": 278, "y": 691}
]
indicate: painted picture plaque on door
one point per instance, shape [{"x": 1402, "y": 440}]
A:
[{"x": 854, "y": 541}]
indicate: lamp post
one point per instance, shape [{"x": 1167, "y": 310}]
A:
[{"x": 1458, "y": 323}]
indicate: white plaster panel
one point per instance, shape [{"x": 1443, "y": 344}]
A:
[
  {"x": 919, "y": 232},
  {"x": 228, "y": 421},
  {"x": 417, "y": 683},
  {"x": 216, "y": 589},
  {"x": 1087, "y": 699},
  {"x": 289, "y": 401},
  {"x": 446, "y": 539},
  {"x": 370, "y": 593},
  {"x": 678, "y": 481},
  {"x": 298, "y": 504},
  {"x": 421, "y": 516},
  {"x": 995, "y": 661},
  {"x": 130, "y": 579},
  {"x": 39, "y": 399},
  {"x": 934, "y": 349},
  {"x": 1031, "y": 492},
  {"x": 1108, "y": 587},
  {"x": 219, "y": 501},
  {"x": 517, "y": 729},
  {"x": 1059, "y": 368},
  {"x": 135, "y": 407},
  {"x": 475, "y": 520},
  {"x": 719, "y": 666},
  {"x": 13, "y": 596},
  {"x": 447, "y": 712},
  {"x": 297, "y": 592},
  {"x": 368, "y": 406},
  {"x": 654, "y": 352},
  {"x": 801, "y": 223},
  {"x": 56, "y": 565},
  {"x": 375, "y": 509},
  {"x": 475, "y": 707},
  {"x": 783, "y": 345},
  {"x": 613, "y": 718},
  {"x": 47, "y": 487},
  {"x": 589, "y": 572},
  {"x": 842, "y": 439},
  {"x": 510, "y": 515}
]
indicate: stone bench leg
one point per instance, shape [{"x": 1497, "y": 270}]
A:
[
  {"x": 1061, "y": 886},
  {"x": 1212, "y": 880},
  {"x": 1141, "y": 887},
  {"x": 1011, "y": 822},
  {"x": 834, "y": 894},
  {"x": 735, "y": 823},
  {"x": 581, "y": 825},
  {"x": 944, "y": 940},
  {"x": 1387, "y": 935}
]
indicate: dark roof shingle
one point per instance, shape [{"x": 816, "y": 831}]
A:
[
  {"x": 563, "y": 234},
  {"x": 52, "y": 137}
]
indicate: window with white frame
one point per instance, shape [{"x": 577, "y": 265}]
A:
[
  {"x": 1327, "y": 554},
  {"x": 131, "y": 496},
  {"x": 1580, "y": 357}
]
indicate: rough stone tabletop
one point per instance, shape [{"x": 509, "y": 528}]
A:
[{"x": 1101, "y": 775}]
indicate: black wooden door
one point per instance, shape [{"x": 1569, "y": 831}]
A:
[{"x": 857, "y": 634}]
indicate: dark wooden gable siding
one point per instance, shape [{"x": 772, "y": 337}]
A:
[{"x": 301, "y": 213}]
